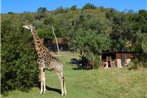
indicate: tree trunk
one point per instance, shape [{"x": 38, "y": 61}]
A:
[{"x": 56, "y": 40}]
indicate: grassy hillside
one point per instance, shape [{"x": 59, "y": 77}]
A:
[{"x": 97, "y": 83}]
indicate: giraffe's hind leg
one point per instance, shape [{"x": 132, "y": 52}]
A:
[
  {"x": 41, "y": 87},
  {"x": 65, "y": 92},
  {"x": 61, "y": 78}
]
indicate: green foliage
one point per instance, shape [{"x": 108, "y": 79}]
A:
[
  {"x": 41, "y": 12},
  {"x": 74, "y": 7},
  {"x": 91, "y": 35},
  {"x": 133, "y": 64},
  {"x": 61, "y": 10},
  {"x": 19, "y": 70},
  {"x": 91, "y": 43},
  {"x": 144, "y": 43},
  {"x": 89, "y": 6}
]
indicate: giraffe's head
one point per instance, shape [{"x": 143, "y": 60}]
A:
[{"x": 29, "y": 27}]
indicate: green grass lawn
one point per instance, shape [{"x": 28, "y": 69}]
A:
[{"x": 97, "y": 83}]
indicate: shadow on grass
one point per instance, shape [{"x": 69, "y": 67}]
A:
[
  {"x": 50, "y": 89},
  {"x": 53, "y": 89},
  {"x": 77, "y": 68},
  {"x": 81, "y": 64},
  {"x": 81, "y": 68}
]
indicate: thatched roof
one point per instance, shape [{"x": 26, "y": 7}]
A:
[{"x": 60, "y": 41}]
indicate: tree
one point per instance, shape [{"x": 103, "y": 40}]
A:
[
  {"x": 89, "y": 6},
  {"x": 144, "y": 43},
  {"x": 61, "y": 10},
  {"x": 74, "y": 7},
  {"x": 41, "y": 12},
  {"x": 10, "y": 13},
  {"x": 49, "y": 21},
  {"x": 90, "y": 43},
  {"x": 56, "y": 40}
]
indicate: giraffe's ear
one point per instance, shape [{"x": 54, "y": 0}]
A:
[{"x": 33, "y": 27}]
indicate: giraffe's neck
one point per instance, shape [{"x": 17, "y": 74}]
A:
[{"x": 40, "y": 48}]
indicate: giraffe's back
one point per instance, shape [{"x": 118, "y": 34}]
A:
[
  {"x": 52, "y": 63},
  {"x": 48, "y": 61}
]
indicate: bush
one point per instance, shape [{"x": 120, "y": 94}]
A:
[
  {"x": 134, "y": 64},
  {"x": 18, "y": 58}
]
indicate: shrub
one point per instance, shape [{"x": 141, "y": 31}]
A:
[{"x": 18, "y": 58}]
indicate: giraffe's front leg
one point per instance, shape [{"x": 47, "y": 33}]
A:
[
  {"x": 44, "y": 87},
  {"x": 42, "y": 78}
]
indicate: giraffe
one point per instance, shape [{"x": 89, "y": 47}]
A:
[{"x": 46, "y": 61}]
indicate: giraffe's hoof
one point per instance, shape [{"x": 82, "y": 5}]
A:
[
  {"x": 64, "y": 94},
  {"x": 41, "y": 93}
]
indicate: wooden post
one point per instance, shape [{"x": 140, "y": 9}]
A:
[{"x": 56, "y": 40}]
